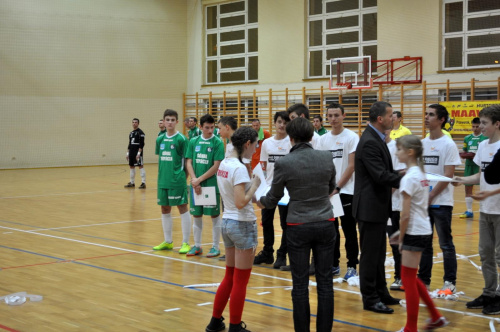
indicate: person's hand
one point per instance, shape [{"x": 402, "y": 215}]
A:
[
  {"x": 197, "y": 190},
  {"x": 402, "y": 172},
  {"x": 127, "y": 157},
  {"x": 138, "y": 157},
  {"x": 334, "y": 192},
  {"x": 259, "y": 204},
  {"x": 459, "y": 179},
  {"x": 195, "y": 182},
  {"x": 255, "y": 181},
  {"x": 400, "y": 247},
  {"x": 481, "y": 195}
]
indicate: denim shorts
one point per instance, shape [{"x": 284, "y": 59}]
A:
[
  {"x": 239, "y": 234},
  {"x": 416, "y": 242}
]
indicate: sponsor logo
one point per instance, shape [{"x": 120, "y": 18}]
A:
[
  {"x": 197, "y": 148},
  {"x": 172, "y": 147},
  {"x": 431, "y": 160},
  {"x": 337, "y": 153},
  {"x": 424, "y": 183},
  {"x": 209, "y": 149},
  {"x": 223, "y": 174},
  {"x": 274, "y": 157},
  {"x": 162, "y": 146}
]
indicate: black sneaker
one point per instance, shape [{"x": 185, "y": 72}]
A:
[
  {"x": 286, "y": 268},
  {"x": 479, "y": 303},
  {"x": 222, "y": 258},
  {"x": 280, "y": 261},
  {"x": 216, "y": 324},
  {"x": 241, "y": 327},
  {"x": 142, "y": 186},
  {"x": 263, "y": 257},
  {"x": 493, "y": 307},
  {"x": 129, "y": 185}
]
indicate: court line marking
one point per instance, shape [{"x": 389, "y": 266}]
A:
[
  {"x": 63, "y": 194},
  {"x": 8, "y": 328},
  {"x": 208, "y": 265}
]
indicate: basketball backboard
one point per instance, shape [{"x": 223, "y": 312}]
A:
[{"x": 351, "y": 73}]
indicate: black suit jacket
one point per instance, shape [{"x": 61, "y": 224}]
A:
[
  {"x": 492, "y": 171},
  {"x": 374, "y": 179}
]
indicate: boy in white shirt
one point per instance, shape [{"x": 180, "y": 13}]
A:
[
  {"x": 342, "y": 143},
  {"x": 489, "y": 212},
  {"x": 301, "y": 111},
  {"x": 440, "y": 157}
]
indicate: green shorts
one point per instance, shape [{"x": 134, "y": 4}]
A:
[
  {"x": 470, "y": 170},
  {"x": 172, "y": 197},
  {"x": 203, "y": 210}
]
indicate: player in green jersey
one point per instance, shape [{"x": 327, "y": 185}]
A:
[
  {"x": 193, "y": 127},
  {"x": 171, "y": 148},
  {"x": 203, "y": 157},
  {"x": 318, "y": 125},
  {"x": 471, "y": 142},
  {"x": 161, "y": 125}
]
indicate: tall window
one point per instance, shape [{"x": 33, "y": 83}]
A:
[
  {"x": 231, "y": 42},
  {"x": 471, "y": 34},
  {"x": 338, "y": 29}
]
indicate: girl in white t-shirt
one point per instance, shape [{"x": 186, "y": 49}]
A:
[
  {"x": 415, "y": 232},
  {"x": 239, "y": 229}
]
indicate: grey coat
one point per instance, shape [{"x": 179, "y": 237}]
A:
[{"x": 309, "y": 177}]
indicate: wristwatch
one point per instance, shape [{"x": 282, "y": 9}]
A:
[{"x": 338, "y": 189}]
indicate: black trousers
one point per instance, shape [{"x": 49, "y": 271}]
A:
[
  {"x": 268, "y": 229},
  {"x": 350, "y": 233},
  {"x": 395, "y": 217}
]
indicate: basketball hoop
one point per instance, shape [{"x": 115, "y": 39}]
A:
[{"x": 343, "y": 87}]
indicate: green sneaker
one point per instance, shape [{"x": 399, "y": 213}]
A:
[
  {"x": 184, "y": 248},
  {"x": 195, "y": 251},
  {"x": 164, "y": 246},
  {"x": 213, "y": 252}
]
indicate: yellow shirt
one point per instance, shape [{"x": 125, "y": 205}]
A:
[
  {"x": 401, "y": 131},
  {"x": 446, "y": 132}
]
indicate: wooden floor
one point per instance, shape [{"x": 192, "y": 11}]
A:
[{"x": 83, "y": 242}]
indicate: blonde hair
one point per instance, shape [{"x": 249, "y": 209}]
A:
[{"x": 412, "y": 142}]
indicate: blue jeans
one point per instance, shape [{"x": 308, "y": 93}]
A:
[
  {"x": 239, "y": 234},
  {"x": 320, "y": 237},
  {"x": 441, "y": 218}
]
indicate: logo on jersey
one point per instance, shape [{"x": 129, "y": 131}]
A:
[
  {"x": 274, "y": 157},
  {"x": 434, "y": 149},
  {"x": 209, "y": 149},
  {"x": 337, "y": 153},
  {"x": 424, "y": 183},
  {"x": 197, "y": 148},
  {"x": 222, "y": 173},
  {"x": 431, "y": 160},
  {"x": 172, "y": 147},
  {"x": 162, "y": 146}
]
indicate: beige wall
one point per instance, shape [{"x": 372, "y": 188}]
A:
[{"x": 75, "y": 73}]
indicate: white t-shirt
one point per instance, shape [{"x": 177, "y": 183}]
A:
[
  {"x": 483, "y": 157},
  {"x": 396, "y": 165},
  {"x": 416, "y": 185},
  {"x": 315, "y": 140},
  {"x": 272, "y": 150},
  {"x": 439, "y": 153},
  {"x": 232, "y": 172},
  {"x": 229, "y": 149},
  {"x": 341, "y": 146}
]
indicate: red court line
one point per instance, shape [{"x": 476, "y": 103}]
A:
[
  {"x": 8, "y": 328},
  {"x": 67, "y": 261}
]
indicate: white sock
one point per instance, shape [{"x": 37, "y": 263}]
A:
[
  {"x": 167, "y": 223},
  {"x": 143, "y": 175},
  {"x": 468, "y": 203},
  {"x": 216, "y": 232},
  {"x": 132, "y": 175},
  {"x": 197, "y": 228},
  {"x": 186, "y": 227}
]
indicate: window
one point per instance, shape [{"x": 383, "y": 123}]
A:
[
  {"x": 231, "y": 42},
  {"x": 340, "y": 28},
  {"x": 464, "y": 95},
  {"x": 471, "y": 34}
]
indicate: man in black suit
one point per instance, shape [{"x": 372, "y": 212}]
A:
[{"x": 371, "y": 206}]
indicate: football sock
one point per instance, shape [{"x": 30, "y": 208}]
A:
[
  {"x": 166, "y": 221},
  {"x": 216, "y": 232},
  {"x": 132, "y": 175},
  {"x": 468, "y": 203},
  {"x": 197, "y": 228},
  {"x": 186, "y": 226},
  {"x": 238, "y": 293},
  {"x": 223, "y": 292},
  {"x": 143, "y": 175}
]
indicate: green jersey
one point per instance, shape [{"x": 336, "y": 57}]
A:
[
  {"x": 203, "y": 154},
  {"x": 471, "y": 144},
  {"x": 162, "y": 132},
  {"x": 171, "y": 151},
  {"x": 322, "y": 131},
  {"x": 194, "y": 132}
]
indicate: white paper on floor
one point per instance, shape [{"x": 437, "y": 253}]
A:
[{"x": 20, "y": 298}]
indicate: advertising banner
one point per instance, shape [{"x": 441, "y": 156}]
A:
[{"x": 462, "y": 113}]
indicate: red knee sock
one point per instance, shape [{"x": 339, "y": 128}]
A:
[
  {"x": 424, "y": 295},
  {"x": 409, "y": 276},
  {"x": 223, "y": 292},
  {"x": 238, "y": 294}
]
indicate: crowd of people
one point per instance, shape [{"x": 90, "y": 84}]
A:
[{"x": 381, "y": 179}]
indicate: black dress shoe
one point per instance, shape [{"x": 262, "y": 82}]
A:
[
  {"x": 379, "y": 308},
  {"x": 390, "y": 301}
]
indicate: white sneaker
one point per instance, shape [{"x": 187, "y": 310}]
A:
[
  {"x": 448, "y": 285},
  {"x": 396, "y": 285}
]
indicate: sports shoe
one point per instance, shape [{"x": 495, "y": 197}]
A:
[
  {"x": 351, "y": 272},
  {"x": 142, "y": 186},
  {"x": 164, "y": 246},
  {"x": 194, "y": 251},
  {"x": 401, "y": 330},
  {"x": 441, "y": 322},
  {"x": 397, "y": 285},
  {"x": 336, "y": 270},
  {"x": 185, "y": 248},
  {"x": 493, "y": 307},
  {"x": 129, "y": 185},
  {"x": 448, "y": 287},
  {"x": 467, "y": 214},
  {"x": 286, "y": 268},
  {"x": 263, "y": 257},
  {"x": 241, "y": 327},
  {"x": 216, "y": 324},
  {"x": 213, "y": 252},
  {"x": 280, "y": 261},
  {"x": 479, "y": 302},
  {"x": 222, "y": 258}
]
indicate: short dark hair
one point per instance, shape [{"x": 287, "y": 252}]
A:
[
  {"x": 379, "y": 108},
  {"x": 194, "y": 119},
  {"x": 318, "y": 117},
  {"x": 336, "y": 105},
  {"x": 136, "y": 119},
  {"x": 300, "y": 130},
  {"x": 256, "y": 119},
  {"x": 398, "y": 114},
  {"x": 299, "y": 109},
  {"x": 207, "y": 118},
  {"x": 491, "y": 112},
  {"x": 169, "y": 112},
  {"x": 281, "y": 114},
  {"x": 441, "y": 113},
  {"x": 230, "y": 121},
  {"x": 241, "y": 136},
  {"x": 475, "y": 121}
]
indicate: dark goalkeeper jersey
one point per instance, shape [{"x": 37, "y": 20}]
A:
[{"x": 136, "y": 140}]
